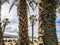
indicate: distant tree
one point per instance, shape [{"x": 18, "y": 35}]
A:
[
  {"x": 32, "y": 20},
  {"x": 1, "y": 34},
  {"x": 4, "y": 24},
  {"x": 29, "y": 3}
]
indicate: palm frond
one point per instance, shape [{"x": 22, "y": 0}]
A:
[
  {"x": 30, "y": 3},
  {"x": 3, "y": 1},
  {"x": 5, "y": 23},
  {"x": 12, "y": 5},
  {"x": 58, "y": 6}
]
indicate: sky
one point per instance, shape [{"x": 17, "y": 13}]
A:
[{"x": 12, "y": 28}]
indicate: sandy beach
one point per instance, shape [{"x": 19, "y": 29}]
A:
[{"x": 13, "y": 43}]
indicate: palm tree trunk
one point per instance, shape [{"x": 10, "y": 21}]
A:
[
  {"x": 3, "y": 28},
  {"x": 47, "y": 17},
  {"x": 1, "y": 34},
  {"x": 32, "y": 30},
  {"x": 23, "y": 22}
]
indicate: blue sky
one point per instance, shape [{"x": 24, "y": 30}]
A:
[{"x": 12, "y": 28}]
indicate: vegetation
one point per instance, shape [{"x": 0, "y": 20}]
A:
[
  {"x": 23, "y": 22},
  {"x": 47, "y": 17},
  {"x": 1, "y": 33},
  {"x": 32, "y": 20},
  {"x": 5, "y": 23},
  {"x": 46, "y": 21}
]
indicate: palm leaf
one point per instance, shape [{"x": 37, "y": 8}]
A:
[
  {"x": 12, "y": 5},
  {"x": 30, "y": 3},
  {"x": 3, "y": 1}
]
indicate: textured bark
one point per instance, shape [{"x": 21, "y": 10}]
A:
[
  {"x": 47, "y": 28},
  {"x": 23, "y": 22},
  {"x": 1, "y": 35}
]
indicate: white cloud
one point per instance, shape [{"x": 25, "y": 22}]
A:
[
  {"x": 11, "y": 33},
  {"x": 5, "y": 12},
  {"x": 58, "y": 27},
  {"x": 12, "y": 15},
  {"x": 58, "y": 16}
]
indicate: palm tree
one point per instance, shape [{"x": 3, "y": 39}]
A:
[
  {"x": 5, "y": 23},
  {"x": 32, "y": 19},
  {"x": 1, "y": 39},
  {"x": 47, "y": 17},
  {"x": 23, "y": 22},
  {"x": 29, "y": 3},
  {"x": 1, "y": 34}
]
